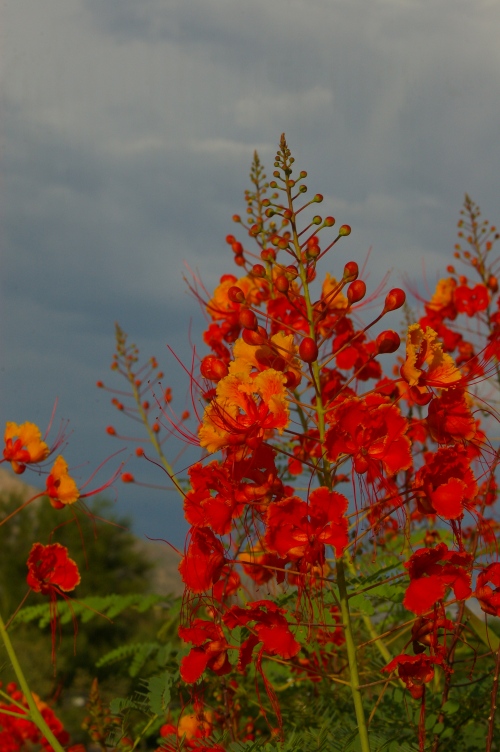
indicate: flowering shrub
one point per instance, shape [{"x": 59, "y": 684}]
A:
[{"x": 342, "y": 512}]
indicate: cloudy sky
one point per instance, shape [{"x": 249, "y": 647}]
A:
[{"x": 126, "y": 133}]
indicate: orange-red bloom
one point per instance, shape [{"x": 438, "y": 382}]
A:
[
  {"x": 373, "y": 432},
  {"x": 300, "y": 530},
  {"x": 50, "y": 570},
  {"x": 426, "y": 364},
  {"x": 24, "y": 446},
  {"x": 202, "y": 565},
  {"x": 246, "y": 409},
  {"x": 210, "y": 650},
  {"x": 432, "y": 571},
  {"x": 414, "y": 670},
  {"x": 61, "y": 488},
  {"x": 489, "y": 597}
]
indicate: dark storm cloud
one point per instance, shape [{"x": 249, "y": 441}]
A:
[{"x": 127, "y": 133}]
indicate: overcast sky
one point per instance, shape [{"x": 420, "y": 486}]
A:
[{"x": 126, "y": 134}]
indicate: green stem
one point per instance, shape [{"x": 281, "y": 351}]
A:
[
  {"x": 323, "y": 468},
  {"x": 352, "y": 658},
  {"x": 34, "y": 713}
]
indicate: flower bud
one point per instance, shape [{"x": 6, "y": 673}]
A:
[
  {"x": 128, "y": 478},
  {"x": 258, "y": 270},
  {"x": 248, "y": 319},
  {"x": 268, "y": 254},
  {"x": 281, "y": 283},
  {"x": 292, "y": 379},
  {"x": 351, "y": 271},
  {"x": 236, "y": 294},
  {"x": 254, "y": 338},
  {"x": 292, "y": 272},
  {"x": 329, "y": 221},
  {"x": 394, "y": 299},
  {"x": 344, "y": 231},
  {"x": 356, "y": 291},
  {"x": 212, "y": 368},
  {"x": 308, "y": 350},
  {"x": 388, "y": 341}
]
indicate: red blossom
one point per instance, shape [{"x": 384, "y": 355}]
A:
[
  {"x": 489, "y": 597},
  {"x": 300, "y": 530},
  {"x": 202, "y": 565},
  {"x": 471, "y": 300},
  {"x": 414, "y": 670},
  {"x": 373, "y": 432},
  {"x": 270, "y": 627},
  {"x": 449, "y": 418},
  {"x": 50, "y": 570},
  {"x": 446, "y": 483},
  {"x": 432, "y": 571},
  {"x": 210, "y": 650}
]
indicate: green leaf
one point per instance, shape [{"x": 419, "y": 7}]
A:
[
  {"x": 486, "y": 635},
  {"x": 159, "y": 692},
  {"x": 361, "y": 603},
  {"x": 450, "y": 707}
]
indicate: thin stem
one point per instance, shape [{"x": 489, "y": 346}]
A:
[
  {"x": 493, "y": 705},
  {"x": 352, "y": 658},
  {"x": 34, "y": 713}
]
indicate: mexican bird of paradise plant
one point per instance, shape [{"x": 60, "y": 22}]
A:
[{"x": 342, "y": 507}]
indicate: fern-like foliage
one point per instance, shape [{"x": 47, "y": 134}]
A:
[{"x": 108, "y": 606}]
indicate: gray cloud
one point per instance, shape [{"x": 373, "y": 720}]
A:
[{"x": 127, "y": 133}]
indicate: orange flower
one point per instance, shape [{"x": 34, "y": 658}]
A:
[
  {"x": 332, "y": 295},
  {"x": 444, "y": 295},
  {"x": 61, "y": 488},
  {"x": 245, "y": 409},
  {"x": 24, "y": 445},
  {"x": 426, "y": 364}
]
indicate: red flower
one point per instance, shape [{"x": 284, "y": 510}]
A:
[
  {"x": 271, "y": 628},
  {"x": 471, "y": 300},
  {"x": 432, "y": 571},
  {"x": 202, "y": 565},
  {"x": 372, "y": 432},
  {"x": 488, "y": 597},
  {"x": 210, "y": 650},
  {"x": 300, "y": 530},
  {"x": 449, "y": 418},
  {"x": 446, "y": 483},
  {"x": 414, "y": 670},
  {"x": 50, "y": 570}
]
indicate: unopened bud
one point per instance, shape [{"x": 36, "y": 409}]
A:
[
  {"x": 281, "y": 283},
  {"x": 388, "y": 341},
  {"x": 236, "y": 294},
  {"x": 356, "y": 291},
  {"x": 248, "y": 319},
  {"x": 394, "y": 299},
  {"x": 212, "y": 368},
  {"x": 344, "y": 231},
  {"x": 258, "y": 270},
  {"x": 308, "y": 350},
  {"x": 254, "y": 338},
  {"x": 351, "y": 271}
]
